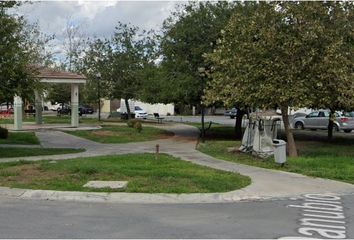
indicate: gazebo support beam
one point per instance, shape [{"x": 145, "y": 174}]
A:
[
  {"x": 74, "y": 105},
  {"x": 18, "y": 113}
]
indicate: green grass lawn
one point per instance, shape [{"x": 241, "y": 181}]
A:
[
  {"x": 20, "y": 138},
  {"x": 27, "y": 152},
  {"x": 318, "y": 159},
  {"x": 122, "y": 134},
  {"x": 143, "y": 171}
]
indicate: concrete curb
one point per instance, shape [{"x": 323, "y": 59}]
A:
[{"x": 145, "y": 198}]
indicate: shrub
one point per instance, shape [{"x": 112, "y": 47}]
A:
[
  {"x": 4, "y": 133},
  {"x": 138, "y": 126},
  {"x": 131, "y": 123}
]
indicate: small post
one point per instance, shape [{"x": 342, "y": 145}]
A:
[{"x": 157, "y": 152}]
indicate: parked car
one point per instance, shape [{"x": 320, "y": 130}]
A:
[
  {"x": 64, "y": 110},
  {"x": 85, "y": 109},
  {"x": 55, "y": 106},
  {"x": 349, "y": 114},
  {"x": 139, "y": 112},
  {"x": 319, "y": 120},
  {"x": 231, "y": 113},
  {"x": 6, "y": 107}
]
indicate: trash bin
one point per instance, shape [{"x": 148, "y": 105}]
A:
[{"x": 279, "y": 151}]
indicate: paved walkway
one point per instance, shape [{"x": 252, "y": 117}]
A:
[{"x": 265, "y": 184}]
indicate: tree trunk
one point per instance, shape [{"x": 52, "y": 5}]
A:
[
  {"x": 331, "y": 124},
  {"x": 289, "y": 135},
  {"x": 203, "y": 123},
  {"x": 238, "y": 123},
  {"x": 128, "y": 108}
]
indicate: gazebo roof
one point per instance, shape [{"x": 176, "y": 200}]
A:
[{"x": 54, "y": 76}]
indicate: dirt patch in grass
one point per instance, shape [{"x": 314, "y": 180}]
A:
[
  {"x": 25, "y": 174},
  {"x": 123, "y": 134},
  {"x": 105, "y": 133}
]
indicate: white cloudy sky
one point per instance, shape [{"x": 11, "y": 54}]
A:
[{"x": 96, "y": 18}]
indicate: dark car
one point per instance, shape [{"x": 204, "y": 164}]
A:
[
  {"x": 85, "y": 109},
  {"x": 64, "y": 110},
  {"x": 231, "y": 113}
]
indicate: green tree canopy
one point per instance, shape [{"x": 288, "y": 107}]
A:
[
  {"x": 125, "y": 62},
  {"x": 272, "y": 55},
  {"x": 190, "y": 32},
  {"x": 16, "y": 56}
]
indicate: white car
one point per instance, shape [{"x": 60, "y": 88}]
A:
[
  {"x": 138, "y": 111},
  {"x": 55, "y": 106}
]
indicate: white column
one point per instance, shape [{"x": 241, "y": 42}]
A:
[
  {"x": 74, "y": 105},
  {"x": 38, "y": 106},
  {"x": 17, "y": 113}
]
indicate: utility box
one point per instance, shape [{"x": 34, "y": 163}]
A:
[{"x": 279, "y": 151}]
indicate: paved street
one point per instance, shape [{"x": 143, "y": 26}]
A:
[
  {"x": 26, "y": 214},
  {"x": 49, "y": 219}
]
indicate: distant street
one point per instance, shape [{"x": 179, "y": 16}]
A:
[{"x": 47, "y": 219}]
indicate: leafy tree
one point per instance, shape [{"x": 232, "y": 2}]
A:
[
  {"x": 190, "y": 32},
  {"x": 124, "y": 62},
  {"x": 16, "y": 77},
  {"x": 187, "y": 35},
  {"x": 60, "y": 93},
  {"x": 129, "y": 56},
  {"x": 94, "y": 62},
  {"x": 332, "y": 67},
  {"x": 270, "y": 55}
]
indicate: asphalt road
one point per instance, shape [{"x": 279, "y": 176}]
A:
[{"x": 264, "y": 219}]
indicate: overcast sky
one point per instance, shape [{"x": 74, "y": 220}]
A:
[{"x": 96, "y": 18}]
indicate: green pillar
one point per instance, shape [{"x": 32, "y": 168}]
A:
[
  {"x": 38, "y": 106},
  {"x": 17, "y": 113},
  {"x": 74, "y": 105}
]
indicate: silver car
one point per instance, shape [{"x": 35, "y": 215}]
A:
[{"x": 319, "y": 120}]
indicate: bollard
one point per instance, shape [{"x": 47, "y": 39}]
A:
[{"x": 157, "y": 152}]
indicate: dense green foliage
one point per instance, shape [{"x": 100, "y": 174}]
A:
[
  {"x": 285, "y": 54},
  {"x": 190, "y": 32},
  {"x": 122, "y": 61},
  {"x": 16, "y": 76}
]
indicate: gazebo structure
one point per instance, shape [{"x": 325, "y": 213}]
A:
[{"x": 52, "y": 76}]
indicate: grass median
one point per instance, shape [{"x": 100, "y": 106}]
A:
[
  {"x": 24, "y": 138},
  {"x": 316, "y": 158},
  {"x": 122, "y": 134},
  {"x": 29, "y": 152},
  {"x": 144, "y": 173}
]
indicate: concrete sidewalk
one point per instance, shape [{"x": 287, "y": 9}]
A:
[{"x": 265, "y": 184}]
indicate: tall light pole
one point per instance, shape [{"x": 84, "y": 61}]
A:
[
  {"x": 202, "y": 74},
  {"x": 98, "y": 78}
]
